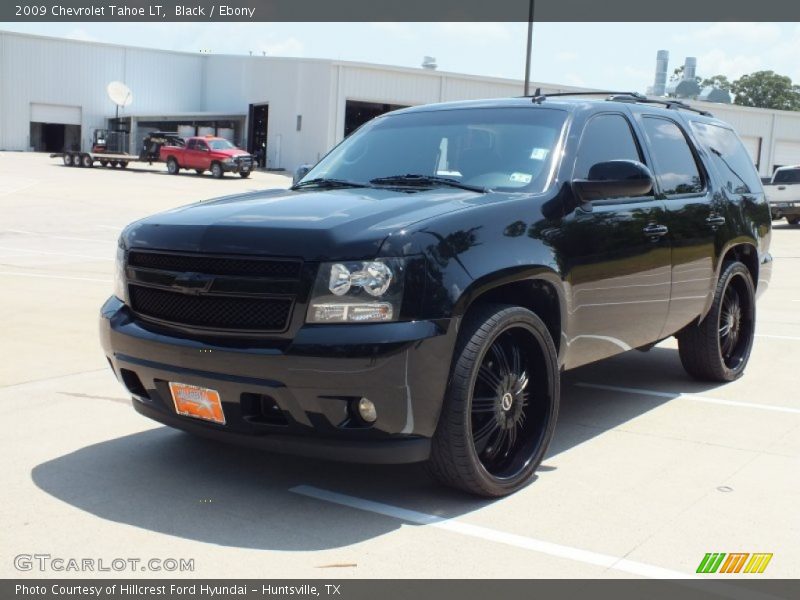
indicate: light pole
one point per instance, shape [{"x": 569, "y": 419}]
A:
[{"x": 530, "y": 48}]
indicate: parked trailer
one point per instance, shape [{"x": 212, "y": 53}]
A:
[
  {"x": 104, "y": 141},
  {"x": 87, "y": 159}
]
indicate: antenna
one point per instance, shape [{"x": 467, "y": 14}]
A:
[{"x": 120, "y": 94}]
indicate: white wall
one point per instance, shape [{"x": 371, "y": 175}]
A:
[
  {"x": 54, "y": 71},
  {"x": 36, "y": 69}
]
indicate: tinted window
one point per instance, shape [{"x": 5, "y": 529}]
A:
[
  {"x": 729, "y": 156},
  {"x": 787, "y": 176},
  {"x": 606, "y": 137},
  {"x": 191, "y": 144},
  {"x": 676, "y": 169},
  {"x": 506, "y": 149}
]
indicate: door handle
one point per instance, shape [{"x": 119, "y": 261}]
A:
[
  {"x": 715, "y": 221},
  {"x": 655, "y": 230}
]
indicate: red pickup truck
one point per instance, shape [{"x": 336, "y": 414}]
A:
[{"x": 203, "y": 154}]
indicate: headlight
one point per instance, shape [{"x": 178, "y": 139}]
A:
[
  {"x": 120, "y": 285},
  {"x": 357, "y": 292},
  {"x": 229, "y": 161}
]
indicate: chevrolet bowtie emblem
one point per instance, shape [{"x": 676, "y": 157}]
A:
[{"x": 192, "y": 283}]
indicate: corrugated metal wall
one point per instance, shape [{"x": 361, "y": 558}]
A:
[
  {"x": 36, "y": 69},
  {"x": 65, "y": 72}
]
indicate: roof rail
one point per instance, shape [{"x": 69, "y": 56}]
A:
[{"x": 632, "y": 97}]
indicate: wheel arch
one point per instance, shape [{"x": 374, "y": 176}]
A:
[
  {"x": 743, "y": 251},
  {"x": 539, "y": 289}
]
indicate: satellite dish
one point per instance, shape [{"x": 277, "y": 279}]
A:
[{"x": 119, "y": 93}]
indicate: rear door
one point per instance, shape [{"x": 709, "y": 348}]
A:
[
  {"x": 614, "y": 253},
  {"x": 695, "y": 217}
]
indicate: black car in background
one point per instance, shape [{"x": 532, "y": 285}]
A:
[{"x": 417, "y": 294}]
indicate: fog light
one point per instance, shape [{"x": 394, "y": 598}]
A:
[{"x": 366, "y": 410}]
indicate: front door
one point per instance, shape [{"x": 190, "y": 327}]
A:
[{"x": 615, "y": 255}]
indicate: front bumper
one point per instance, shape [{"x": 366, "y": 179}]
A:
[
  {"x": 313, "y": 380},
  {"x": 238, "y": 166},
  {"x": 779, "y": 210}
]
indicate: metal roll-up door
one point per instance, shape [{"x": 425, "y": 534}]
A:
[
  {"x": 786, "y": 153},
  {"x": 55, "y": 113}
]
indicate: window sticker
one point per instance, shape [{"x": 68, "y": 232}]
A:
[
  {"x": 521, "y": 177},
  {"x": 539, "y": 153}
]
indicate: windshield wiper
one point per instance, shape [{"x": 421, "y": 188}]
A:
[
  {"x": 325, "y": 182},
  {"x": 426, "y": 180}
]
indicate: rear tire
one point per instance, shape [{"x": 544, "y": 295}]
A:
[
  {"x": 199, "y": 171},
  {"x": 103, "y": 162},
  {"x": 76, "y": 160},
  {"x": 501, "y": 406},
  {"x": 86, "y": 161},
  {"x": 216, "y": 170},
  {"x": 793, "y": 220},
  {"x": 172, "y": 166},
  {"x": 123, "y": 164},
  {"x": 718, "y": 348},
  {"x": 67, "y": 158},
  {"x": 244, "y": 174},
  {"x": 114, "y": 164}
]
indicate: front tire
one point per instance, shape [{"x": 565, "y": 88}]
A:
[
  {"x": 718, "y": 348},
  {"x": 216, "y": 170},
  {"x": 244, "y": 174},
  {"x": 501, "y": 406}
]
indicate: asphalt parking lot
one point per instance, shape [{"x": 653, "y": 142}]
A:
[{"x": 648, "y": 471}]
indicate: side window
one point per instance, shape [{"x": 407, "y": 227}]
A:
[
  {"x": 676, "y": 168},
  {"x": 605, "y": 137},
  {"x": 787, "y": 176},
  {"x": 729, "y": 156},
  {"x": 191, "y": 145},
  {"x": 201, "y": 145}
]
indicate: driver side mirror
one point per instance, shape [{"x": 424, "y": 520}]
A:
[
  {"x": 614, "y": 179},
  {"x": 300, "y": 172}
]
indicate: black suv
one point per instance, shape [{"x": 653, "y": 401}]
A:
[{"x": 416, "y": 295}]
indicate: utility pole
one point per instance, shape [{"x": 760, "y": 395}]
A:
[{"x": 530, "y": 48}]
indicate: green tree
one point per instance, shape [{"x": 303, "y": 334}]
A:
[
  {"x": 717, "y": 81},
  {"x": 766, "y": 89},
  {"x": 677, "y": 75}
]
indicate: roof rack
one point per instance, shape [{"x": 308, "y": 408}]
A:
[{"x": 632, "y": 97}]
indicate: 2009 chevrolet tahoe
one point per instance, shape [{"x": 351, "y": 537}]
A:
[{"x": 417, "y": 294}]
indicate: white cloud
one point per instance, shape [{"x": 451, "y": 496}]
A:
[
  {"x": 717, "y": 62},
  {"x": 761, "y": 33},
  {"x": 566, "y": 56},
  {"x": 281, "y": 47},
  {"x": 81, "y": 35},
  {"x": 480, "y": 33}
]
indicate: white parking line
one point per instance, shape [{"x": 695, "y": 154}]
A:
[
  {"x": 44, "y": 252},
  {"x": 693, "y": 397},
  {"x": 779, "y": 337},
  {"x": 606, "y": 561},
  {"x": 42, "y": 276},
  {"x": 58, "y": 237}
]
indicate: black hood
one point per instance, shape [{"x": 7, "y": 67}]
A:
[{"x": 314, "y": 225}]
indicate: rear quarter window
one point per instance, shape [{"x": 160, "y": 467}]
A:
[{"x": 732, "y": 162}]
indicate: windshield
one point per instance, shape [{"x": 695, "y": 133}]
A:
[
  {"x": 505, "y": 149},
  {"x": 220, "y": 144}
]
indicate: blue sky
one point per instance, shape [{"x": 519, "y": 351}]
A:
[{"x": 618, "y": 56}]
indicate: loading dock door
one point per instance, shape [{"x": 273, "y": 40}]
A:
[
  {"x": 786, "y": 153},
  {"x": 356, "y": 113},
  {"x": 55, "y": 113}
]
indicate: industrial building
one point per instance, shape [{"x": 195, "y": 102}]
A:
[{"x": 53, "y": 96}]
